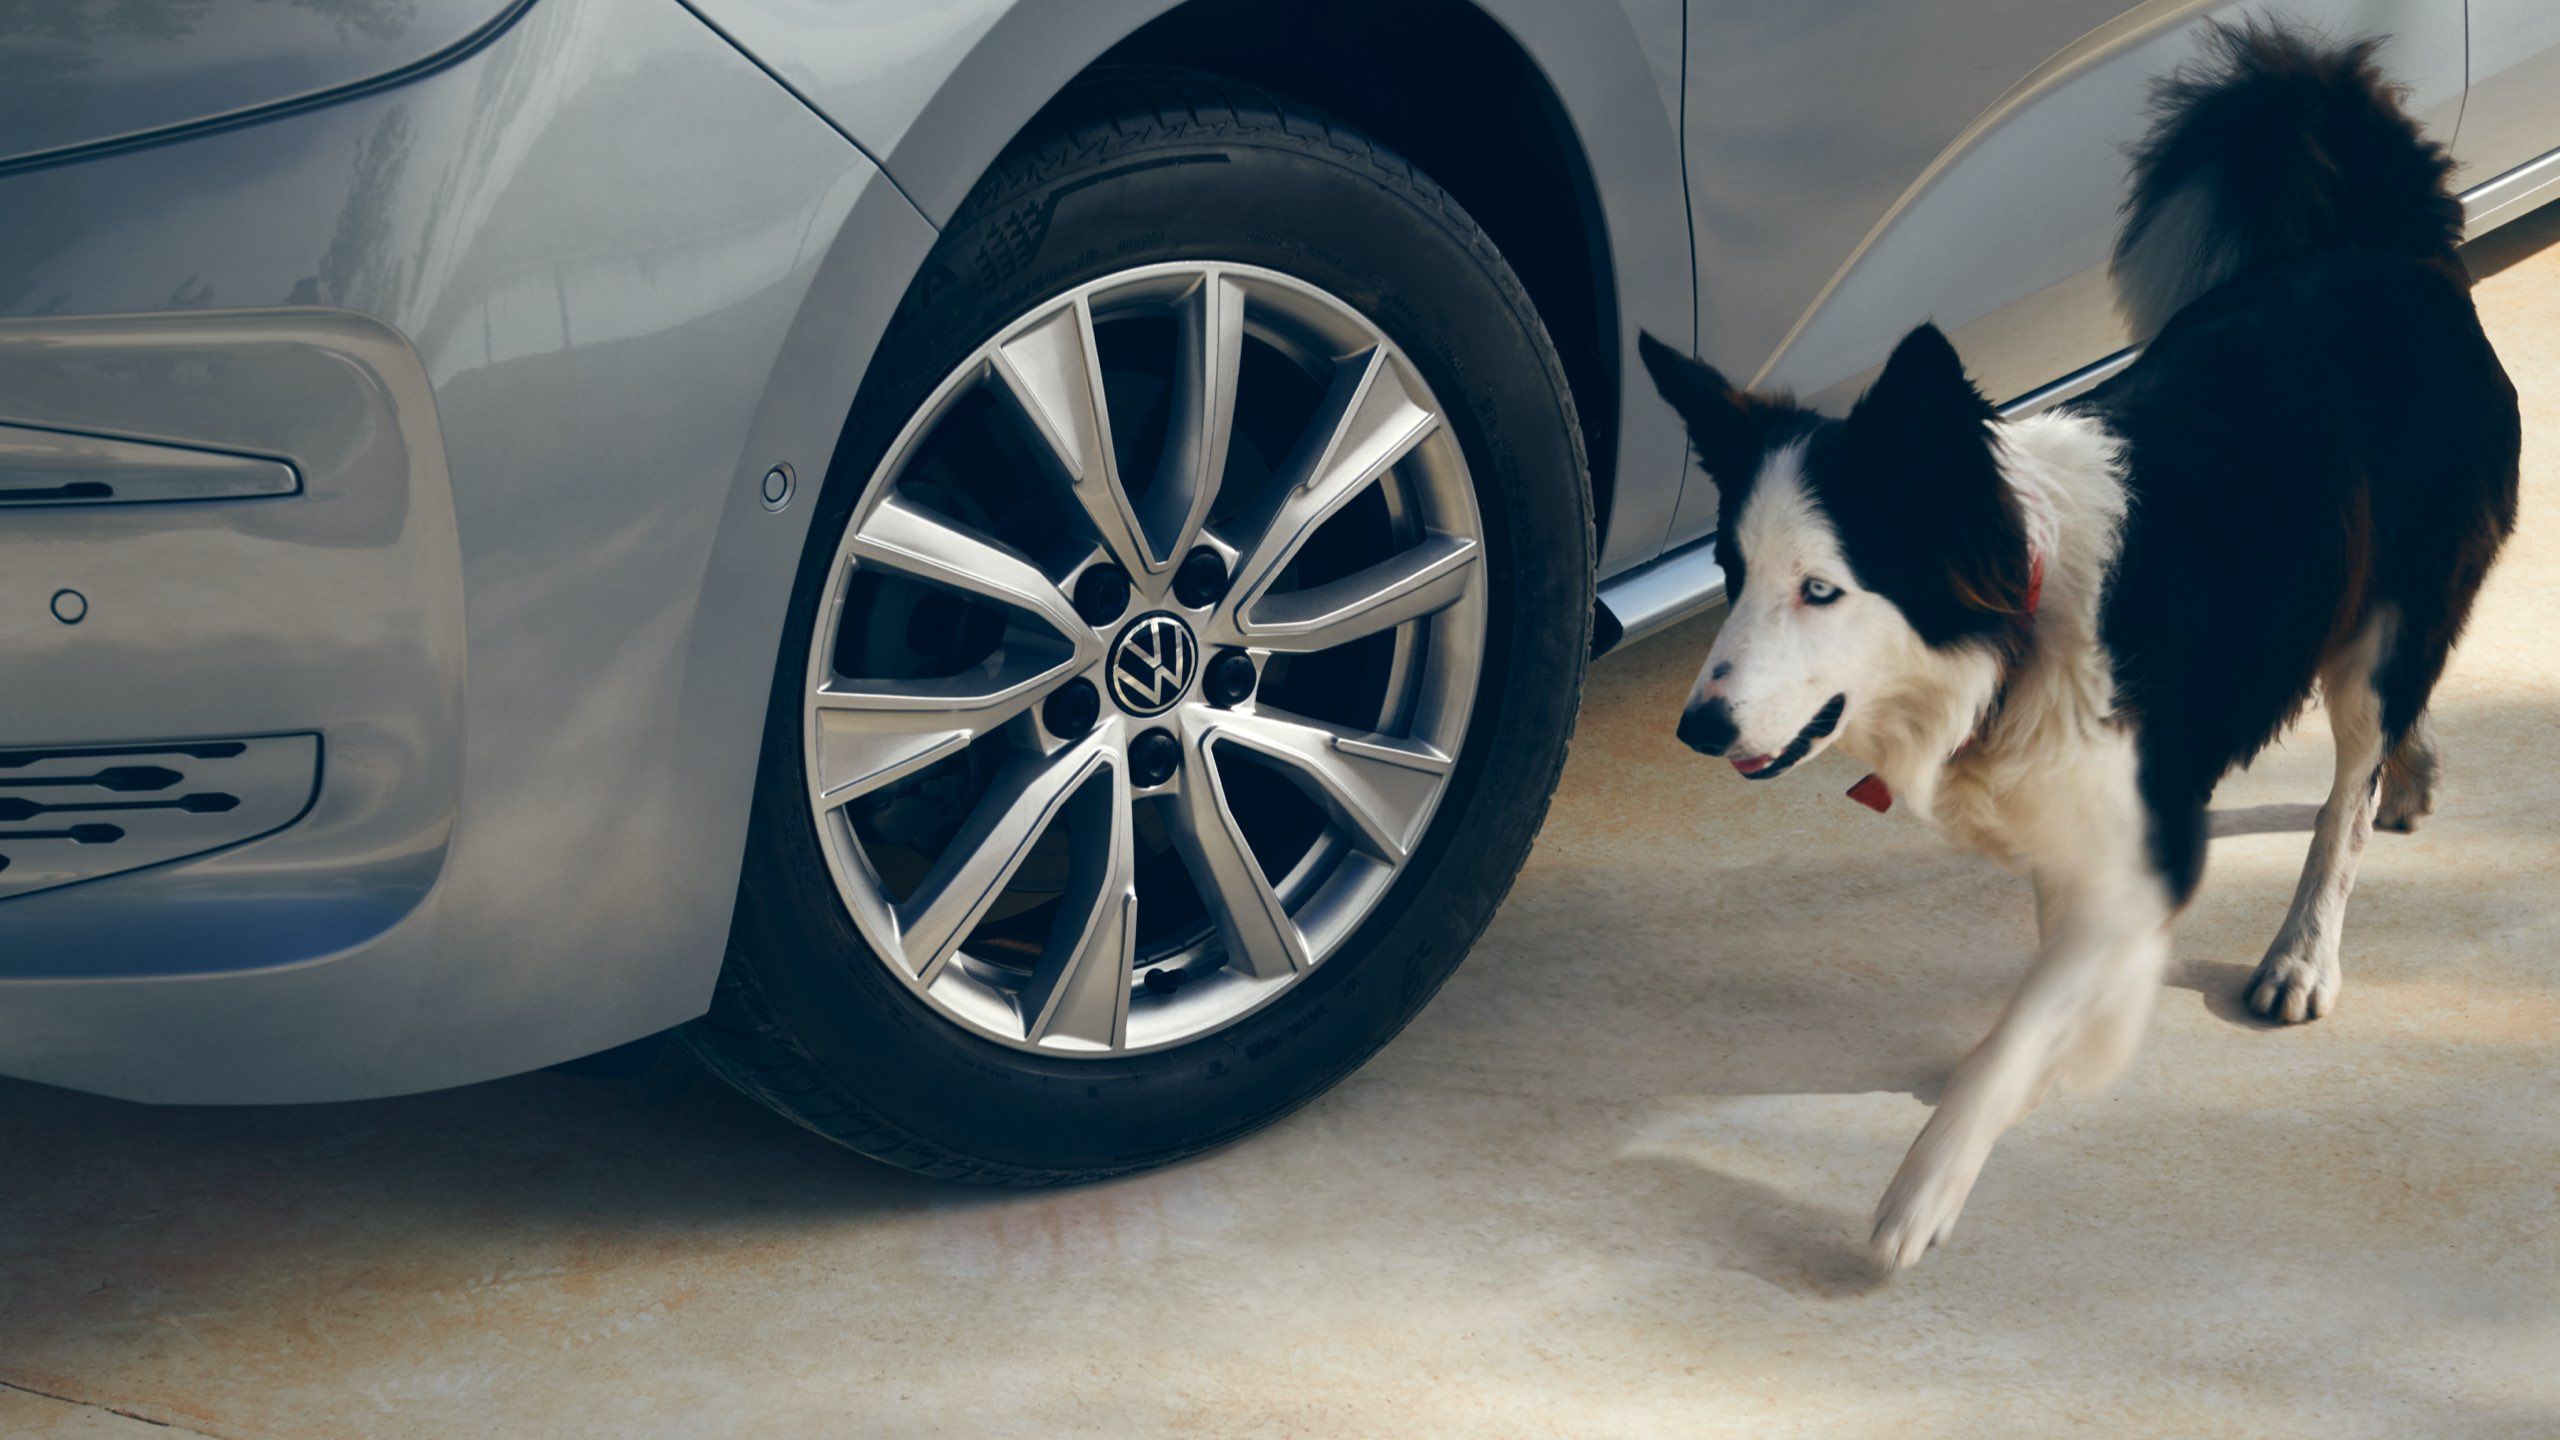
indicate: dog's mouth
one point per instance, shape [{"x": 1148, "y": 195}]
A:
[{"x": 1770, "y": 767}]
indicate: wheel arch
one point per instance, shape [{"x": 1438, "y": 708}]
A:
[
  {"x": 1506, "y": 103},
  {"x": 1445, "y": 85}
]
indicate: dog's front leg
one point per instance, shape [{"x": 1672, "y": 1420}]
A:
[{"x": 2083, "y": 1005}]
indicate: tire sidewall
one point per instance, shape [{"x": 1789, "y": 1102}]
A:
[{"x": 1429, "y": 281}]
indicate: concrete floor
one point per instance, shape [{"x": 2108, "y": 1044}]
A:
[{"x": 1610, "y": 1184}]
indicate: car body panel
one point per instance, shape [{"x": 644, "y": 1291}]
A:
[
  {"x": 336, "y": 608},
  {"x": 2000, "y": 230},
  {"x": 1764, "y": 143},
  {"x": 2512, "y": 115},
  {"x": 90, "y": 74},
  {"x": 615, "y": 273},
  {"x": 935, "y": 92}
]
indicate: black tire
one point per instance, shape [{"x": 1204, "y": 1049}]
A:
[{"x": 805, "y": 1018}]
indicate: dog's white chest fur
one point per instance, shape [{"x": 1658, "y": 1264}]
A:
[{"x": 2013, "y": 766}]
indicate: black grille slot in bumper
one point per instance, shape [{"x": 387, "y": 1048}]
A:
[{"x": 73, "y": 813}]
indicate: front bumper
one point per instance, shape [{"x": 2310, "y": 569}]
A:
[{"x": 524, "y": 334}]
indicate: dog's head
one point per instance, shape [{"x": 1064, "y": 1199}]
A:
[{"x": 1861, "y": 556}]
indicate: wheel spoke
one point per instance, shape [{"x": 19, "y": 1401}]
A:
[
  {"x": 1377, "y": 787},
  {"x": 1369, "y": 420},
  {"x": 1053, "y": 371},
  {"x": 873, "y": 732},
  {"x": 1079, "y": 992},
  {"x": 1017, "y": 810},
  {"x": 914, "y": 541},
  {"x": 1424, "y": 580},
  {"x": 1210, "y": 351},
  {"x": 1262, "y": 941}
]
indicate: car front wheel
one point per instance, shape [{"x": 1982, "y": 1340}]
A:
[{"x": 1186, "y": 650}]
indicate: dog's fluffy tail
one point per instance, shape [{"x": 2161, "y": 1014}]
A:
[{"x": 2270, "y": 146}]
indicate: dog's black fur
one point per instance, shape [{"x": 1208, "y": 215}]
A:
[
  {"x": 2324, "y": 432},
  {"x": 2303, "y": 146}
]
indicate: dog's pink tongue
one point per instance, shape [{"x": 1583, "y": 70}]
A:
[{"x": 1751, "y": 764}]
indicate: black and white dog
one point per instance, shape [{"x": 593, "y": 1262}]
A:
[{"x": 2052, "y": 636}]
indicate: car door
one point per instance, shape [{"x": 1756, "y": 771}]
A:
[
  {"x": 1859, "y": 166},
  {"x": 2512, "y": 117}
]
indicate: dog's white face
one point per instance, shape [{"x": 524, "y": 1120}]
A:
[
  {"x": 1803, "y": 642},
  {"x": 1869, "y": 560}
]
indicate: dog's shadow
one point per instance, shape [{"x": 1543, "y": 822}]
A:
[
  {"x": 1867, "y": 1006},
  {"x": 2224, "y": 987},
  {"x": 2261, "y": 820},
  {"x": 1809, "y": 1250},
  {"x": 2223, "y": 984},
  {"x": 1761, "y": 1038}
]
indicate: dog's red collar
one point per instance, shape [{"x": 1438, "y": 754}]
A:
[{"x": 1872, "y": 792}]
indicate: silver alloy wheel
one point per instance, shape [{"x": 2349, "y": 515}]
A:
[{"x": 1012, "y": 727}]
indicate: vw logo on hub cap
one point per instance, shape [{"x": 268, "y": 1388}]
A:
[{"x": 1152, "y": 663}]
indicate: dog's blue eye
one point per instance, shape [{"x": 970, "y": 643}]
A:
[{"x": 1818, "y": 592}]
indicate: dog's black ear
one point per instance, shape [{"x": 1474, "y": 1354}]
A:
[
  {"x": 1915, "y": 489},
  {"x": 1924, "y": 396},
  {"x": 1724, "y": 424}
]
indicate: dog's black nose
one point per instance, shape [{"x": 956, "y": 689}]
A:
[{"x": 1708, "y": 727}]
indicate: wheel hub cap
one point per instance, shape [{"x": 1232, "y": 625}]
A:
[{"x": 1152, "y": 664}]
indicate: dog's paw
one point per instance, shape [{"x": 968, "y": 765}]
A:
[
  {"x": 2291, "y": 987},
  {"x": 2412, "y": 782},
  {"x": 2403, "y": 807},
  {"x": 1920, "y": 1207}
]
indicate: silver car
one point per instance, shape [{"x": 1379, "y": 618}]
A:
[{"x": 1017, "y": 573}]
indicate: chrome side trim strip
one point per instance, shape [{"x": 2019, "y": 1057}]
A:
[
  {"x": 2486, "y": 207},
  {"x": 1657, "y": 595}
]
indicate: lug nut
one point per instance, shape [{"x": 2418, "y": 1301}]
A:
[
  {"x": 1153, "y": 757},
  {"x": 1102, "y": 593},
  {"x": 1231, "y": 678},
  {"x": 1201, "y": 580},
  {"x": 1071, "y": 711}
]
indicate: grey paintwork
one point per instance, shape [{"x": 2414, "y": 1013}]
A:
[
  {"x": 1974, "y": 181},
  {"x": 530, "y": 326},
  {"x": 934, "y": 92},
  {"x": 88, "y": 74},
  {"x": 70, "y": 467},
  {"x": 2515, "y": 86},
  {"x": 339, "y": 609},
  {"x": 2026, "y": 298},
  {"x": 612, "y": 274}
]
